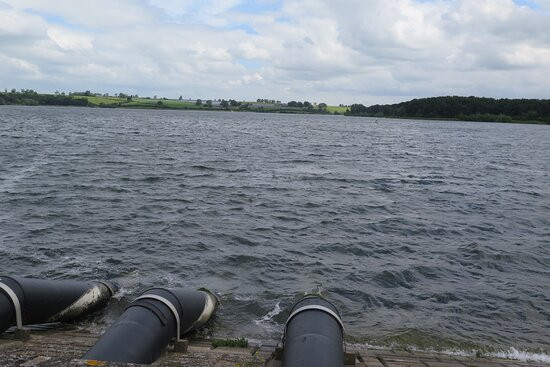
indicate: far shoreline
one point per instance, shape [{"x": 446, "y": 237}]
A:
[
  {"x": 449, "y": 108},
  {"x": 153, "y": 108}
]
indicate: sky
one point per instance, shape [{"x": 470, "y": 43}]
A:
[{"x": 346, "y": 51}]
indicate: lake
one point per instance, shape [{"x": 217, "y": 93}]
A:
[{"x": 430, "y": 234}]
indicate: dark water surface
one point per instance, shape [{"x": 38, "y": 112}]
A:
[{"x": 435, "y": 234}]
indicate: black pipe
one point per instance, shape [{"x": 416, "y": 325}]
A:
[
  {"x": 44, "y": 301},
  {"x": 314, "y": 335},
  {"x": 144, "y": 330}
]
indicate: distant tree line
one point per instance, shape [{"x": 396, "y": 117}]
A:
[
  {"x": 30, "y": 97},
  {"x": 230, "y": 103},
  {"x": 321, "y": 107},
  {"x": 270, "y": 101},
  {"x": 91, "y": 94},
  {"x": 461, "y": 108},
  {"x": 304, "y": 104}
]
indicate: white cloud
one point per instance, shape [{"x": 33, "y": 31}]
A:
[
  {"x": 68, "y": 40},
  {"x": 25, "y": 68},
  {"x": 525, "y": 55},
  {"x": 249, "y": 50},
  {"x": 91, "y": 14},
  {"x": 348, "y": 51}
]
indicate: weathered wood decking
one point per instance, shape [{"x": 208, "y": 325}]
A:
[{"x": 65, "y": 347}]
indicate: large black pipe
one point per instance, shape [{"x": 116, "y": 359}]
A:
[
  {"x": 143, "y": 332},
  {"x": 44, "y": 301},
  {"x": 314, "y": 335}
]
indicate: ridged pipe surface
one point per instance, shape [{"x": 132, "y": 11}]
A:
[
  {"x": 144, "y": 330},
  {"x": 45, "y": 301},
  {"x": 314, "y": 335}
]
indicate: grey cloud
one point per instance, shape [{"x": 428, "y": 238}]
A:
[{"x": 353, "y": 50}]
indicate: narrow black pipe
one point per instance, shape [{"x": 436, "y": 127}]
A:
[
  {"x": 144, "y": 330},
  {"x": 44, "y": 301},
  {"x": 314, "y": 335}
]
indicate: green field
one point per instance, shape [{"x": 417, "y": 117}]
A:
[
  {"x": 338, "y": 109},
  {"x": 33, "y": 98},
  {"x": 154, "y": 103},
  {"x": 99, "y": 100},
  {"x": 137, "y": 102}
]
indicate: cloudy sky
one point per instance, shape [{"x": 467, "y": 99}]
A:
[{"x": 366, "y": 51}]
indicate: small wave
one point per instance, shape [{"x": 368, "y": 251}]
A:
[
  {"x": 297, "y": 161},
  {"x": 523, "y": 356},
  {"x": 234, "y": 170},
  {"x": 261, "y": 229},
  {"x": 286, "y": 218},
  {"x": 151, "y": 179},
  {"x": 117, "y": 189},
  {"x": 242, "y": 298},
  {"x": 394, "y": 279},
  {"x": 511, "y": 354},
  {"x": 147, "y": 179},
  {"x": 203, "y": 168},
  {"x": 267, "y": 321},
  {"x": 10, "y": 182},
  {"x": 242, "y": 260},
  {"x": 121, "y": 293},
  {"x": 242, "y": 241},
  {"x": 271, "y": 314}
]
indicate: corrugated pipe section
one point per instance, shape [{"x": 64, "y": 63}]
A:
[
  {"x": 25, "y": 301},
  {"x": 314, "y": 335},
  {"x": 144, "y": 330}
]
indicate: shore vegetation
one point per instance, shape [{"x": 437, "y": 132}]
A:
[
  {"x": 462, "y": 108},
  {"x": 442, "y": 108}
]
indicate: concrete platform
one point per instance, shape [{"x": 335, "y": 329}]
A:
[{"x": 65, "y": 347}]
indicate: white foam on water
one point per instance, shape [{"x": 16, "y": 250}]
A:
[
  {"x": 523, "y": 356},
  {"x": 11, "y": 181},
  {"x": 237, "y": 297},
  {"x": 267, "y": 320},
  {"x": 128, "y": 284},
  {"x": 512, "y": 353},
  {"x": 271, "y": 314},
  {"x": 121, "y": 292}
]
